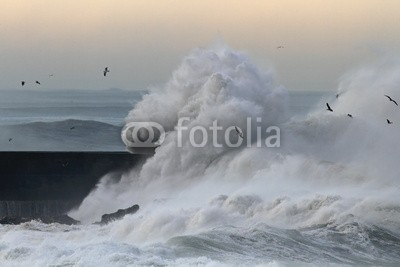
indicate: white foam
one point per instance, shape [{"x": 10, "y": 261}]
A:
[{"x": 329, "y": 159}]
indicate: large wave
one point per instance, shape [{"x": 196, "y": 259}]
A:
[{"x": 331, "y": 170}]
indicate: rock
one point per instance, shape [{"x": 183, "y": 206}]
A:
[
  {"x": 119, "y": 214},
  {"x": 61, "y": 219},
  {"x": 65, "y": 219},
  {"x": 14, "y": 220}
]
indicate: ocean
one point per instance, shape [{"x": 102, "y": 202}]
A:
[
  {"x": 327, "y": 196},
  {"x": 42, "y": 120}
]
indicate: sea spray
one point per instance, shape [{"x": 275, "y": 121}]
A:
[
  {"x": 210, "y": 84},
  {"x": 333, "y": 178}
]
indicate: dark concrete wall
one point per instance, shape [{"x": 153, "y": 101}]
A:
[
  {"x": 57, "y": 175},
  {"x": 51, "y": 183}
]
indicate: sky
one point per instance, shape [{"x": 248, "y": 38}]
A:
[{"x": 142, "y": 42}]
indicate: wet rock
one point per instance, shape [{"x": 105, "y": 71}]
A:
[
  {"x": 61, "y": 219},
  {"x": 119, "y": 214},
  {"x": 13, "y": 220},
  {"x": 65, "y": 219}
]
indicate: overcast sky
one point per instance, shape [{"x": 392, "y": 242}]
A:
[{"x": 143, "y": 41}]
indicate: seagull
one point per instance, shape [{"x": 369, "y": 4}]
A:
[
  {"x": 329, "y": 108},
  {"x": 391, "y": 99},
  {"x": 51, "y": 75},
  {"x": 37, "y": 82},
  {"x": 239, "y": 132},
  {"x": 64, "y": 164},
  {"x": 22, "y": 83},
  {"x": 389, "y": 122},
  {"x": 105, "y": 71},
  {"x": 349, "y": 115},
  {"x": 10, "y": 139}
]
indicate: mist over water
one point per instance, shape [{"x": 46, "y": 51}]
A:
[
  {"x": 217, "y": 84},
  {"x": 329, "y": 194}
]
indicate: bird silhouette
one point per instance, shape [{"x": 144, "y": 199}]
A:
[
  {"x": 391, "y": 99},
  {"x": 22, "y": 83},
  {"x": 329, "y": 108},
  {"x": 63, "y": 163},
  {"x": 37, "y": 82},
  {"x": 389, "y": 122},
  {"x": 239, "y": 132},
  {"x": 10, "y": 139},
  {"x": 280, "y": 47},
  {"x": 105, "y": 71},
  {"x": 349, "y": 115},
  {"x": 71, "y": 128}
]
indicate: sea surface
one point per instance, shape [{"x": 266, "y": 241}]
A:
[
  {"x": 42, "y": 120},
  {"x": 64, "y": 120},
  {"x": 327, "y": 196}
]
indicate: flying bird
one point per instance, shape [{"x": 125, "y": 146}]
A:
[
  {"x": 51, "y": 75},
  {"x": 391, "y": 99},
  {"x": 349, "y": 115},
  {"x": 64, "y": 164},
  {"x": 389, "y": 122},
  {"x": 239, "y": 132},
  {"x": 329, "y": 108},
  {"x": 105, "y": 71},
  {"x": 71, "y": 128},
  {"x": 22, "y": 83},
  {"x": 37, "y": 82},
  {"x": 10, "y": 139},
  {"x": 337, "y": 95},
  {"x": 280, "y": 47}
]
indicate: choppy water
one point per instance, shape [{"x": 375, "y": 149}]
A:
[{"x": 57, "y": 245}]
